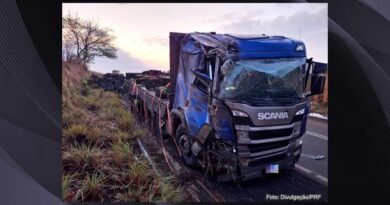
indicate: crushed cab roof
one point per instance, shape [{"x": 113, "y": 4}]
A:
[{"x": 252, "y": 45}]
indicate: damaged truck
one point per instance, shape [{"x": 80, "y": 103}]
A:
[{"x": 235, "y": 105}]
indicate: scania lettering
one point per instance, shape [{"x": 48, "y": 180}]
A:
[{"x": 272, "y": 115}]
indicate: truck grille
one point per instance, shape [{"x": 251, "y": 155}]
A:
[
  {"x": 259, "y": 146},
  {"x": 267, "y": 160},
  {"x": 247, "y": 121},
  {"x": 254, "y": 148},
  {"x": 266, "y": 134}
]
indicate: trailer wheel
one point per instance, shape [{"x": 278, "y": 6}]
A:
[{"x": 184, "y": 143}]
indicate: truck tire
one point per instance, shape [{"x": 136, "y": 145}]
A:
[{"x": 184, "y": 143}]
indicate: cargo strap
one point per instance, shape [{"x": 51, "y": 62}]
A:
[
  {"x": 152, "y": 102},
  {"x": 170, "y": 130},
  {"x": 162, "y": 141},
  {"x": 152, "y": 114},
  {"x": 136, "y": 96},
  {"x": 169, "y": 121},
  {"x": 145, "y": 110},
  {"x": 159, "y": 115},
  {"x": 160, "y": 93},
  {"x": 134, "y": 86}
]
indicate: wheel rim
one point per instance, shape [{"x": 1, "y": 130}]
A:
[{"x": 184, "y": 144}]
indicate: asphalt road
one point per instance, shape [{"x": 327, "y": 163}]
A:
[
  {"x": 315, "y": 143},
  {"x": 256, "y": 190}
]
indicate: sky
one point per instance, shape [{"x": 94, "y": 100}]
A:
[{"x": 142, "y": 29}]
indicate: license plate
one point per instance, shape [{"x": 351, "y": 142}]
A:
[{"x": 272, "y": 169}]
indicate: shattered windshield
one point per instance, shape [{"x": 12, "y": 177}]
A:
[{"x": 274, "y": 80}]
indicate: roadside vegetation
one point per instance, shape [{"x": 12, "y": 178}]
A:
[
  {"x": 319, "y": 107},
  {"x": 99, "y": 149}
]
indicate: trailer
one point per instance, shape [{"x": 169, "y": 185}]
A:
[{"x": 235, "y": 105}]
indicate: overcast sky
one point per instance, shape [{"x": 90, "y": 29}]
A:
[{"x": 142, "y": 29}]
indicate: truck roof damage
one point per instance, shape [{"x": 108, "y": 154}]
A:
[{"x": 243, "y": 46}]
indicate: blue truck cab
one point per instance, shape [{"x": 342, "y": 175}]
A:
[{"x": 240, "y": 102}]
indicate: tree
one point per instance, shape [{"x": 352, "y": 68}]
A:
[{"x": 83, "y": 40}]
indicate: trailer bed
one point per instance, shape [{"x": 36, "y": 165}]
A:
[{"x": 153, "y": 103}]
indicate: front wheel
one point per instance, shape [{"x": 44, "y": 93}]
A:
[{"x": 184, "y": 142}]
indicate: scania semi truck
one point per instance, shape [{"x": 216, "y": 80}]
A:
[{"x": 236, "y": 105}]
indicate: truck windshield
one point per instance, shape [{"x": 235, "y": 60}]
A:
[{"x": 264, "y": 80}]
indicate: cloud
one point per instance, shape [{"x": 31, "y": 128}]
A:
[
  {"x": 281, "y": 24},
  {"x": 309, "y": 27},
  {"x": 235, "y": 16},
  {"x": 125, "y": 63},
  {"x": 164, "y": 42},
  {"x": 225, "y": 17}
]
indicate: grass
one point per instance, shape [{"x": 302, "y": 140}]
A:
[
  {"x": 67, "y": 193},
  {"x": 82, "y": 157},
  {"x": 146, "y": 185},
  {"x": 75, "y": 130},
  {"x": 169, "y": 192},
  {"x": 138, "y": 133},
  {"x": 122, "y": 152},
  {"x": 73, "y": 116},
  {"x": 94, "y": 134},
  {"x": 99, "y": 160},
  {"x": 320, "y": 108},
  {"x": 92, "y": 188},
  {"x": 123, "y": 136}
]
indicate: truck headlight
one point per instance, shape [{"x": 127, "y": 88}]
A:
[
  {"x": 238, "y": 113},
  {"x": 300, "y": 112}
]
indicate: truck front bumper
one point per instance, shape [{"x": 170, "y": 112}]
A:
[
  {"x": 248, "y": 168},
  {"x": 256, "y": 167},
  {"x": 259, "y": 147}
]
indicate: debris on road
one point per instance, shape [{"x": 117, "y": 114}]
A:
[{"x": 316, "y": 157}]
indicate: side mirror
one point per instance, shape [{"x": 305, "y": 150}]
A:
[{"x": 316, "y": 78}]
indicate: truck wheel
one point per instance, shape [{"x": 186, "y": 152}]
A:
[{"x": 184, "y": 142}]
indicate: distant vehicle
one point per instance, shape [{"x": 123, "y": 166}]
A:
[{"x": 236, "y": 103}]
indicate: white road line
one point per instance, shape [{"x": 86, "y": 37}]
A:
[
  {"x": 317, "y": 135},
  {"x": 311, "y": 173}
]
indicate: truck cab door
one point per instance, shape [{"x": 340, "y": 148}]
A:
[
  {"x": 196, "y": 108},
  {"x": 316, "y": 77}
]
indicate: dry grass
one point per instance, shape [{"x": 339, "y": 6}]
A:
[
  {"x": 92, "y": 188},
  {"x": 81, "y": 158},
  {"x": 320, "y": 108},
  {"x": 99, "y": 160},
  {"x": 67, "y": 183},
  {"x": 122, "y": 152},
  {"x": 75, "y": 130},
  {"x": 72, "y": 116}
]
